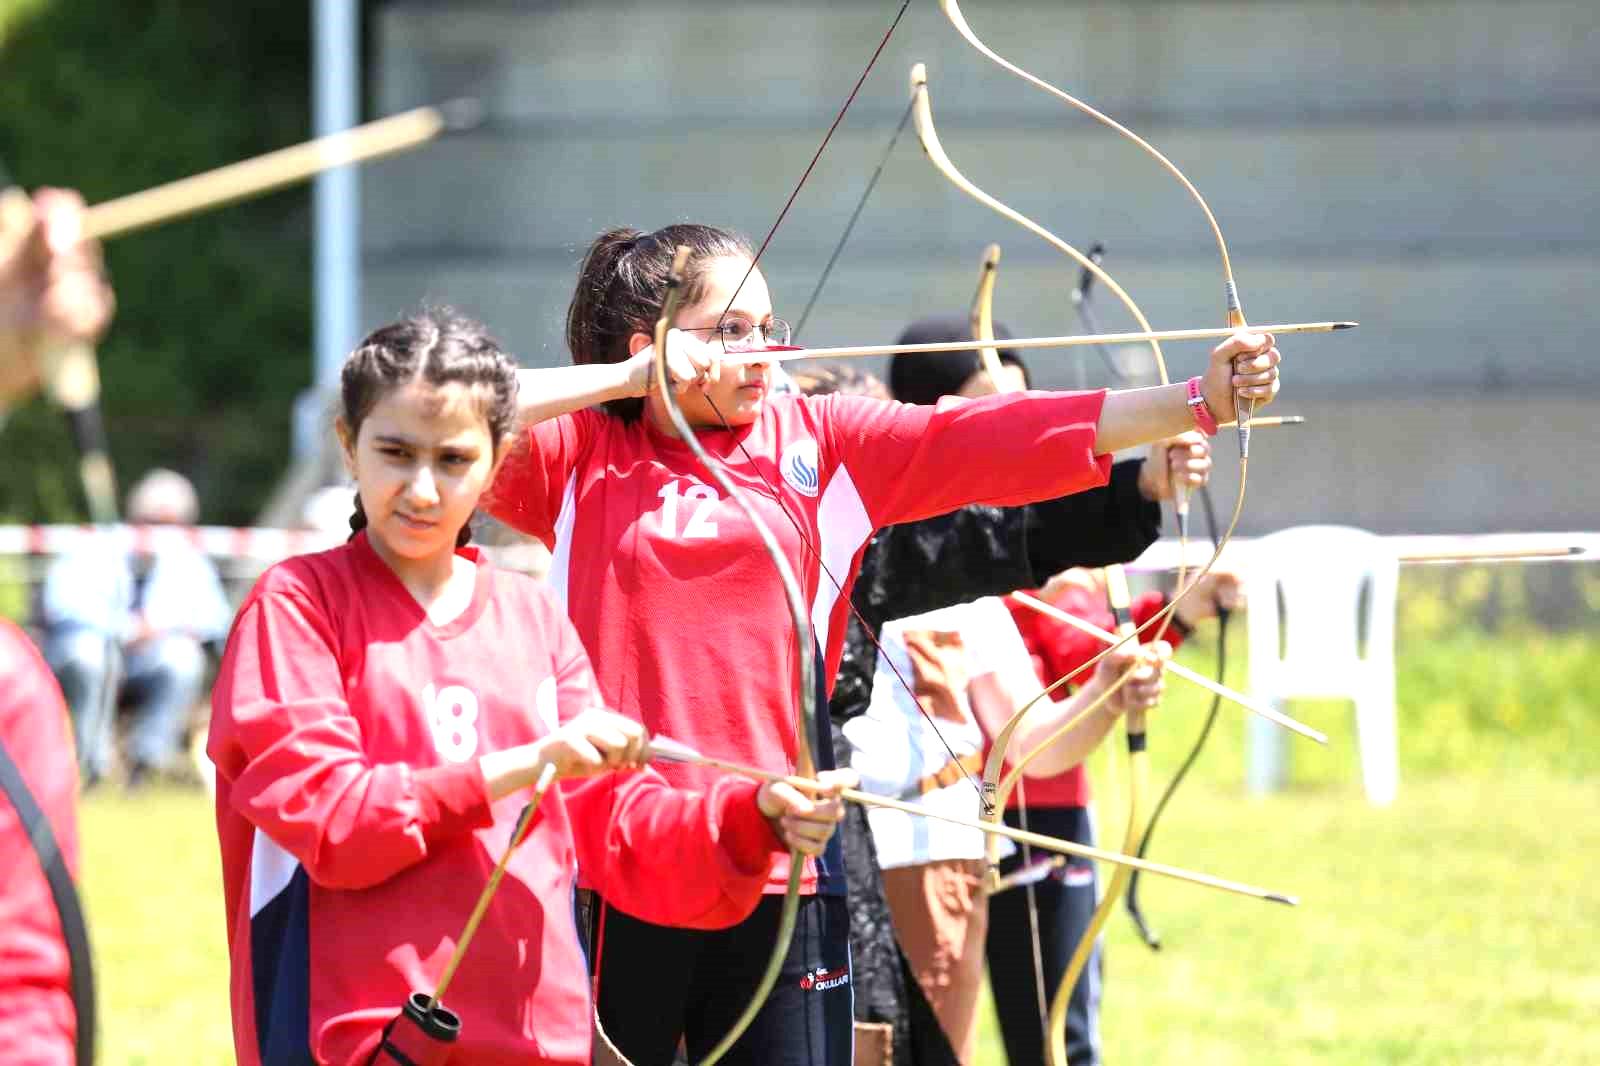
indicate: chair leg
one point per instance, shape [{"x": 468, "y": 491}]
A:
[
  {"x": 1377, "y": 737},
  {"x": 1266, "y": 769}
]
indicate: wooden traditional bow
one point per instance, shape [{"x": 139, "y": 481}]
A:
[
  {"x": 805, "y": 656},
  {"x": 1056, "y": 1047},
  {"x": 1052, "y": 1016},
  {"x": 1235, "y": 312},
  {"x": 993, "y": 807},
  {"x": 1235, "y": 316},
  {"x": 1138, "y": 782}
]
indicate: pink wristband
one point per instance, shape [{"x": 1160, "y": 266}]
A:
[{"x": 1204, "y": 420}]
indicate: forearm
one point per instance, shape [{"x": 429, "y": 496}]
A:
[
  {"x": 548, "y": 392},
  {"x": 511, "y": 770},
  {"x": 1079, "y": 742},
  {"x": 1132, "y": 417}
]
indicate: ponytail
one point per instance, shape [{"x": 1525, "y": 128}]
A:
[{"x": 621, "y": 284}]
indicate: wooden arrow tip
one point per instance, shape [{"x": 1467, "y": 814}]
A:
[
  {"x": 1346, "y": 325},
  {"x": 1278, "y": 897}
]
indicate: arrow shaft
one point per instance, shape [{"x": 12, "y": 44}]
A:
[
  {"x": 681, "y": 753},
  {"x": 253, "y": 177},
  {"x": 1028, "y": 343},
  {"x": 1270, "y": 714}
]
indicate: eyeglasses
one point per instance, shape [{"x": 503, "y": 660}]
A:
[{"x": 742, "y": 335}]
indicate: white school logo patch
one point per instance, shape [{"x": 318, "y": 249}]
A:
[{"x": 798, "y": 464}]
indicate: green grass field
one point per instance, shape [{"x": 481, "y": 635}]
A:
[{"x": 1458, "y": 926}]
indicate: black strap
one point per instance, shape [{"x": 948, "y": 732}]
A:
[{"x": 65, "y": 895}]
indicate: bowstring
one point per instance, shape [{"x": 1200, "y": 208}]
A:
[
  {"x": 883, "y": 655},
  {"x": 1131, "y": 901},
  {"x": 767, "y": 240},
  {"x": 872, "y": 183},
  {"x": 772, "y": 491}
]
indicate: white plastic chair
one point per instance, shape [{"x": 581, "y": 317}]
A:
[{"x": 1314, "y": 593}]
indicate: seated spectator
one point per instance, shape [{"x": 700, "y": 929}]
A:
[{"x": 127, "y": 630}]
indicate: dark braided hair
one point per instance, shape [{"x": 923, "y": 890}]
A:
[
  {"x": 622, "y": 283},
  {"x": 440, "y": 347}
]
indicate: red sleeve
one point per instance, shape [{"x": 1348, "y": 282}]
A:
[
  {"x": 293, "y": 754},
  {"x": 693, "y": 859},
  {"x": 1058, "y": 649},
  {"x": 526, "y": 494},
  {"x": 635, "y": 834},
  {"x": 1144, "y": 608},
  {"x": 911, "y": 462},
  {"x": 36, "y": 1018}
]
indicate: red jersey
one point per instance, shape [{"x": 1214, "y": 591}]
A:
[
  {"x": 670, "y": 587},
  {"x": 1058, "y": 649},
  {"x": 357, "y": 831},
  {"x": 37, "y": 1023}
]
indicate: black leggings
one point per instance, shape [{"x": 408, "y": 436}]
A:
[
  {"x": 1066, "y": 902},
  {"x": 659, "y": 983}
]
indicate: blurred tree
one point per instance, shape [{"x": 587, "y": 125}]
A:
[{"x": 212, "y": 335}]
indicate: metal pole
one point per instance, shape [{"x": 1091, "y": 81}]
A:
[{"x": 336, "y": 207}]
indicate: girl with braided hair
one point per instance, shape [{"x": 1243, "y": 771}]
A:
[{"x": 380, "y": 713}]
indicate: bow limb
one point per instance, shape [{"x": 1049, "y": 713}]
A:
[
  {"x": 66, "y": 898},
  {"x": 1138, "y": 781},
  {"x": 1146, "y": 931},
  {"x": 982, "y": 323},
  {"x": 805, "y": 659},
  {"x": 923, "y": 115},
  {"x": 981, "y": 317},
  {"x": 1230, "y": 290},
  {"x": 936, "y": 154},
  {"x": 931, "y": 146}
]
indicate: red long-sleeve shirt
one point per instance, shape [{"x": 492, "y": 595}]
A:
[
  {"x": 1057, "y": 649},
  {"x": 37, "y": 1023},
  {"x": 357, "y": 830},
  {"x": 667, "y": 581}
]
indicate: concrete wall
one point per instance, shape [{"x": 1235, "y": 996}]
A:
[{"x": 1426, "y": 168}]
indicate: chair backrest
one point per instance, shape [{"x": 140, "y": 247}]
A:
[{"x": 1321, "y": 610}]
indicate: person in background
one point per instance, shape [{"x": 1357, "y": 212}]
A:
[
  {"x": 918, "y": 567},
  {"x": 1058, "y": 804},
  {"x": 130, "y": 629},
  {"x": 52, "y": 291}
]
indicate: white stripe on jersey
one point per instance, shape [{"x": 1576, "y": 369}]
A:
[
  {"x": 561, "y": 558},
  {"x": 843, "y": 528},
  {"x": 271, "y": 869}
]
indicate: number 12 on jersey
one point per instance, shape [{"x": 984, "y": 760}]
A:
[{"x": 698, "y": 503}]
